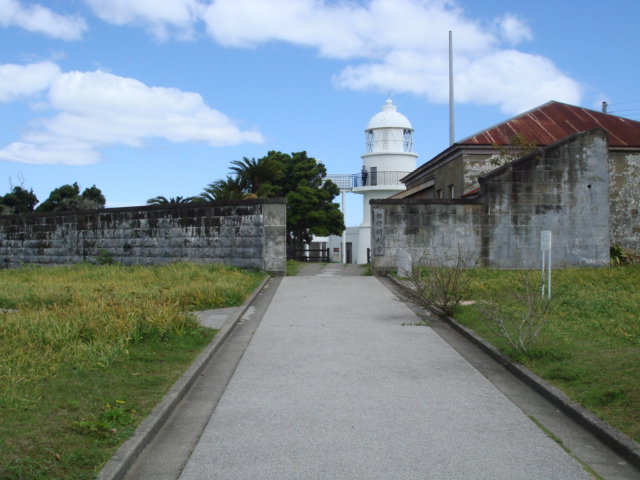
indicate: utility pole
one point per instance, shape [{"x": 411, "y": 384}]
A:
[{"x": 452, "y": 135}]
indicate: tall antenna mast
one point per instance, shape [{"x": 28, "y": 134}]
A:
[{"x": 452, "y": 128}]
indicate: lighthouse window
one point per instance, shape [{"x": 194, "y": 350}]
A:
[
  {"x": 370, "y": 141},
  {"x": 407, "y": 141}
]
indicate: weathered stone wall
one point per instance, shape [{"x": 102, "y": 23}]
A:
[
  {"x": 428, "y": 229},
  {"x": 624, "y": 171},
  {"x": 247, "y": 233},
  {"x": 563, "y": 188},
  {"x": 473, "y": 167}
]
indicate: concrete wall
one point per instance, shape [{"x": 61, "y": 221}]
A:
[
  {"x": 624, "y": 171},
  {"x": 474, "y": 166},
  {"x": 427, "y": 229},
  {"x": 247, "y": 233},
  {"x": 464, "y": 169},
  {"x": 563, "y": 188}
]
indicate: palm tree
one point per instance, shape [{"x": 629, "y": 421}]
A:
[
  {"x": 257, "y": 174},
  {"x": 228, "y": 189},
  {"x": 160, "y": 200}
]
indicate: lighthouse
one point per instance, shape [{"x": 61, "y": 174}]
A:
[{"x": 389, "y": 157}]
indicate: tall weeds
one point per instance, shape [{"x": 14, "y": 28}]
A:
[
  {"x": 521, "y": 313},
  {"x": 590, "y": 344},
  {"x": 438, "y": 283},
  {"x": 88, "y": 315}
]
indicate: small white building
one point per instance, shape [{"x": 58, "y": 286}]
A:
[{"x": 389, "y": 157}]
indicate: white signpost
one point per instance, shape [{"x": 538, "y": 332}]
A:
[{"x": 545, "y": 246}]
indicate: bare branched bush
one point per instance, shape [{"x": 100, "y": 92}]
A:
[
  {"x": 441, "y": 283},
  {"x": 521, "y": 315}
]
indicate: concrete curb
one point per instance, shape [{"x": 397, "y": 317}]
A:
[
  {"x": 614, "y": 438},
  {"x": 116, "y": 468}
]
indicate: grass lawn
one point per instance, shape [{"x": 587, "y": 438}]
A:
[
  {"x": 88, "y": 351},
  {"x": 590, "y": 348},
  {"x": 293, "y": 267}
]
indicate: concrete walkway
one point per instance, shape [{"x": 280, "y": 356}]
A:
[
  {"x": 311, "y": 269},
  {"x": 338, "y": 382}
]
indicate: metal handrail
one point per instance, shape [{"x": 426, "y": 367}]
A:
[{"x": 376, "y": 179}]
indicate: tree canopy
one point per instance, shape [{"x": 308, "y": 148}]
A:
[
  {"x": 18, "y": 201},
  {"x": 160, "y": 200},
  {"x": 68, "y": 197},
  {"x": 311, "y": 210},
  {"x": 298, "y": 178},
  {"x": 227, "y": 189},
  {"x": 258, "y": 177}
]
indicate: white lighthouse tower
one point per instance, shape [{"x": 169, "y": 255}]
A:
[{"x": 389, "y": 157}]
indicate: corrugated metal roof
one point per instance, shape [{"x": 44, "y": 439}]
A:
[{"x": 554, "y": 121}]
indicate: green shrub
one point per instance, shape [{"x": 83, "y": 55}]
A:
[
  {"x": 621, "y": 257},
  {"x": 105, "y": 258}
]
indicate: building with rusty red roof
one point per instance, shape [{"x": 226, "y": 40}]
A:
[
  {"x": 554, "y": 121},
  {"x": 454, "y": 172}
]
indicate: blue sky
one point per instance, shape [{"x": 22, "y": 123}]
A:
[{"x": 146, "y": 98}]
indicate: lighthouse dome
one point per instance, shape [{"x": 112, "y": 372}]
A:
[{"x": 389, "y": 118}]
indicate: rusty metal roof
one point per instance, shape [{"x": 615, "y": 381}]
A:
[{"x": 554, "y": 121}]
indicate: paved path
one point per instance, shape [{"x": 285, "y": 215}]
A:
[
  {"x": 331, "y": 270},
  {"x": 338, "y": 382}
]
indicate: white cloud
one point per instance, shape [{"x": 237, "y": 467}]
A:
[
  {"x": 344, "y": 30},
  {"x": 398, "y": 45},
  {"x": 17, "y": 81},
  {"x": 161, "y": 18},
  {"x": 513, "y": 30},
  {"x": 98, "y": 110},
  {"x": 515, "y": 81},
  {"x": 512, "y": 80},
  {"x": 55, "y": 151},
  {"x": 248, "y": 23},
  {"x": 37, "y": 18},
  {"x": 402, "y": 45}
]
